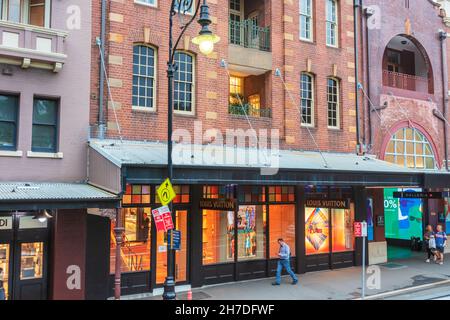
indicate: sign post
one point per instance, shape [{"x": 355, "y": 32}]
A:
[{"x": 360, "y": 231}]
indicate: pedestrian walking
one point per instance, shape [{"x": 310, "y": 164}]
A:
[
  {"x": 430, "y": 243},
  {"x": 441, "y": 243},
  {"x": 284, "y": 255}
]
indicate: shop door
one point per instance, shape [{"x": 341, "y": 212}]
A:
[
  {"x": 181, "y": 257},
  {"x": 30, "y": 280}
]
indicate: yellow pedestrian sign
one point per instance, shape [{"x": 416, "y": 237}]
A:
[{"x": 165, "y": 192}]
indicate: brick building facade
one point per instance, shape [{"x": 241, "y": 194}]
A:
[{"x": 131, "y": 22}]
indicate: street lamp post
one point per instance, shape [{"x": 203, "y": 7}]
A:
[{"x": 205, "y": 40}]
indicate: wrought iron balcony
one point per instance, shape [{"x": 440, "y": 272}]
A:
[
  {"x": 249, "y": 110},
  {"x": 246, "y": 34}
]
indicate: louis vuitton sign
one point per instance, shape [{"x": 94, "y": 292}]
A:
[
  {"x": 328, "y": 203},
  {"x": 218, "y": 204}
]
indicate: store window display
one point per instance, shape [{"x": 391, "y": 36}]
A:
[
  {"x": 31, "y": 260},
  {"x": 320, "y": 230},
  {"x": 218, "y": 237},
  {"x": 135, "y": 252},
  {"x": 4, "y": 271},
  {"x": 251, "y": 222}
]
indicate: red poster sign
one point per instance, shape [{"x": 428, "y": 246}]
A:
[
  {"x": 163, "y": 219},
  {"x": 360, "y": 229},
  {"x": 357, "y": 229}
]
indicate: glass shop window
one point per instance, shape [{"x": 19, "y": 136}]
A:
[
  {"x": 31, "y": 260},
  {"x": 317, "y": 237},
  {"x": 281, "y": 194},
  {"x": 281, "y": 225},
  {"x": 251, "y": 222},
  {"x": 135, "y": 251},
  {"x": 253, "y": 194},
  {"x": 218, "y": 237},
  {"x": 136, "y": 194},
  {"x": 342, "y": 229},
  {"x": 216, "y": 192}
]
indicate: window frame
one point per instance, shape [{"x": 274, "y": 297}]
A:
[
  {"x": 56, "y": 125},
  {"x": 311, "y": 21},
  {"x": 424, "y": 143},
  {"x": 25, "y": 12},
  {"x": 193, "y": 93},
  {"x": 312, "y": 99},
  {"x": 152, "y": 108},
  {"x": 16, "y": 123},
  {"x": 337, "y": 103},
  {"x": 144, "y": 3},
  {"x": 334, "y": 23}
]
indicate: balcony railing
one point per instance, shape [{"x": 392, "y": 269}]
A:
[
  {"x": 249, "y": 110},
  {"x": 249, "y": 35},
  {"x": 30, "y": 46},
  {"x": 406, "y": 81}
]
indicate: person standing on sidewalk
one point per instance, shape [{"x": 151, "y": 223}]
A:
[
  {"x": 430, "y": 243},
  {"x": 284, "y": 262},
  {"x": 441, "y": 242}
]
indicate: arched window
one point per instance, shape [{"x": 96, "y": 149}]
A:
[
  {"x": 144, "y": 77},
  {"x": 307, "y": 99},
  {"x": 410, "y": 148},
  {"x": 184, "y": 83}
]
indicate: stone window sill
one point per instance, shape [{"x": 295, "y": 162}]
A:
[
  {"x": 48, "y": 155},
  {"x": 5, "y": 153}
]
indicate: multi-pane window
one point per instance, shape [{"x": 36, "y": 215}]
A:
[
  {"x": 185, "y": 7},
  {"x": 184, "y": 83},
  {"x": 307, "y": 99},
  {"x": 410, "y": 148},
  {"x": 236, "y": 90},
  {"x": 144, "y": 88},
  {"x": 331, "y": 21},
  {"x": 45, "y": 125},
  {"x": 9, "y": 106},
  {"x": 333, "y": 102},
  {"x": 306, "y": 20},
  {"x": 34, "y": 12}
]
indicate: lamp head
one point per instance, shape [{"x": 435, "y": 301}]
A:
[
  {"x": 206, "y": 39},
  {"x": 42, "y": 216}
]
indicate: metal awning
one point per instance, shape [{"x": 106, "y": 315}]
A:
[
  {"x": 134, "y": 159},
  {"x": 35, "y": 196}
]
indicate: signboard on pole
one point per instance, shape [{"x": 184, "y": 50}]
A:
[
  {"x": 174, "y": 239},
  {"x": 163, "y": 219},
  {"x": 165, "y": 192},
  {"x": 360, "y": 229}
]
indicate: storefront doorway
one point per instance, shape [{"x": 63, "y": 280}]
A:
[
  {"x": 181, "y": 256},
  {"x": 23, "y": 256}
]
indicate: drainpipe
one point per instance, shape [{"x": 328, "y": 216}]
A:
[
  {"x": 101, "y": 93},
  {"x": 443, "y": 37},
  {"x": 368, "y": 14},
  {"x": 356, "y": 8}
]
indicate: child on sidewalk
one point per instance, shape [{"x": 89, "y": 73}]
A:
[{"x": 441, "y": 242}]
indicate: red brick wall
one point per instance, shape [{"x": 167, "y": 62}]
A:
[{"x": 289, "y": 54}]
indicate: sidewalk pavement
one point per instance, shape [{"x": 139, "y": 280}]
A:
[{"x": 342, "y": 284}]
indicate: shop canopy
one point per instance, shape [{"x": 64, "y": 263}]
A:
[
  {"x": 113, "y": 162},
  {"x": 35, "y": 196}
]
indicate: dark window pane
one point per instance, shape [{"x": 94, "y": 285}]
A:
[
  {"x": 8, "y": 107},
  {"x": 44, "y": 111},
  {"x": 44, "y": 138},
  {"x": 7, "y": 134}
]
